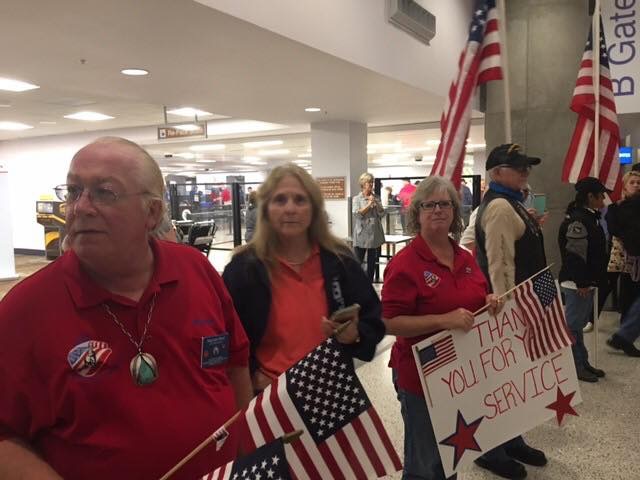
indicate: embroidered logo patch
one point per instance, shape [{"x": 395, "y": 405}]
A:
[
  {"x": 431, "y": 279},
  {"x": 215, "y": 350},
  {"x": 87, "y": 358}
]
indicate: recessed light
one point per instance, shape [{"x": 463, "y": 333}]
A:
[
  {"x": 134, "y": 72},
  {"x": 276, "y": 151},
  {"x": 188, "y": 112},
  {"x": 88, "y": 116},
  {"x": 14, "y": 126},
  {"x": 312, "y": 109},
  {"x": 265, "y": 143},
  {"x": 304, "y": 155},
  {"x": 251, "y": 158},
  {"x": 12, "y": 85},
  {"x": 208, "y": 147},
  {"x": 47, "y": 122}
]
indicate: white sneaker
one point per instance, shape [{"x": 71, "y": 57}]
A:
[{"x": 588, "y": 327}]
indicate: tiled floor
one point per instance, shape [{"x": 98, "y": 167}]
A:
[{"x": 603, "y": 443}]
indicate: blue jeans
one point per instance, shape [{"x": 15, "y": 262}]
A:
[
  {"x": 578, "y": 311},
  {"x": 630, "y": 323},
  {"x": 421, "y": 456}
]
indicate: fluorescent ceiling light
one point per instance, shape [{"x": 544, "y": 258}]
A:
[
  {"x": 134, "y": 72},
  {"x": 206, "y": 161},
  {"x": 185, "y": 155},
  {"x": 302, "y": 162},
  {"x": 312, "y": 109},
  {"x": 188, "y": 112},
  {"x": 5, "y": 105},
  {"x": 251, "y": 158},
  {"x": 208, "y": 147},
  {"x": 275, "y": 151},
  {"x": 477, "y": 145},
  {"x": 88, "y": 116},
  {"x": 432, "y": 142},
  {"x": 12, "y": 85},
  {"x": 227, "y": 127},
  {"x": 304, "y": 155},
  {"x": 188, "y": 127},
  {"x": 47, "y": 122},
  {"x": 14, "y": 126},
  {"x": 265, "y": 143}
]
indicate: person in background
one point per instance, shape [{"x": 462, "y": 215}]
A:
[
  {"x": 583, "y": 247},
  {"x": 509, "y": 250},
  {"x": 404, "y": 195},
  {"x": 368, "y": 234},
  {"x": 414, "y": 308},
  {"x": 103, "y": 372},
  {"x": 293, "y": 275},
  {"x": 166, "y": 230},
  {"x": 623, "y": 220},
  {"x": 251, "y": 216}
]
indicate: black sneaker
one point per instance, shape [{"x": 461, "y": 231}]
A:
[
  {"x": 596, "y": 371},
  {"x": 620, "y": 343},
  {"x": 508, "y": 469},
  {"x": 528, "y": 455},
  {"x": 585, "y": 375}
]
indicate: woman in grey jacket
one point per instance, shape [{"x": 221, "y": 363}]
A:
[{"x": 368, "y": 234}]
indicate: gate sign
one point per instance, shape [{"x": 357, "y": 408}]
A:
[{"x": 482, "y": 389}]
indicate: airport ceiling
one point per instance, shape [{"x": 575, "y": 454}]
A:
[{"x": 196, "y": 56}]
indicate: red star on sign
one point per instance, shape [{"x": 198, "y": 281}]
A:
[
  {"x": 562, "y": 405},
  {"x": 463, "y": 438}
]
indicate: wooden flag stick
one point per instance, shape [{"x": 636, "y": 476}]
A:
[
  {"x": 196, "y": 450},
  {"x": 512, "y": 289},
  {"x": 292, "y": 436}
]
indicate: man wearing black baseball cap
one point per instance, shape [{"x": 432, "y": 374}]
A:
[
  {"x": 510, "y": 249},
  {"x": 583, "y": 247}
]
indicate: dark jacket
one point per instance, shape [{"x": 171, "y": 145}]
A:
[
  {"x": 623, "y": 221},
  {"x": 583, "y": 247},
  {"x": 345, "y": 283}
]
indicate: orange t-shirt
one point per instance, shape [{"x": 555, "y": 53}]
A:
[{"x": 298, "y": 303}]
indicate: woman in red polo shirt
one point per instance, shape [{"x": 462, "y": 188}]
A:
[
  {"x": 293, "y": 275},
  {"x": 429, "y": 286}
]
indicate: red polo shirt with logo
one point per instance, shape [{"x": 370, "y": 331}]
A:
[
  {"x": 80, "y": 408},
  {"x": 415, "y": 283}
]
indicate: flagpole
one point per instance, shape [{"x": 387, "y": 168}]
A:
[
  {"x": 502, "y": 30},
  {"x": 596, "y": 322},
  {"x": 196, "y": 450},
  {"x": 595, "y": 48}
]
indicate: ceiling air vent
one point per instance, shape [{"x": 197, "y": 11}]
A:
[{"x": 412, "y": 18}]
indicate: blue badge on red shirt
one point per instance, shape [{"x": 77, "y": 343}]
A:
[
  {"x": 87, "y": 358},
  {"x": 215, "y": 350},
  {"x": 431, "y": 279}
]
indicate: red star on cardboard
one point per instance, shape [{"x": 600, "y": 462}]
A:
[
  {"x": 463, "y": 438},
  {"x": 562, "y": 405}
]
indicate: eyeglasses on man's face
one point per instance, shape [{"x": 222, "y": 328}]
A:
[
  {"x": 519, "y": 169},
  {"x": 98, "y": 195},
  {"x": 431, "y": 206}
]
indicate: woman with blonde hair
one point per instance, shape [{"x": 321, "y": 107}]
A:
[
  {"x": 623, "y": 222},
  {"x": 368, "y": 234},
  {"x": 293, "y": 275}
]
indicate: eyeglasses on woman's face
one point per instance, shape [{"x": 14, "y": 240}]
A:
[{"x": 431, "y": 206}]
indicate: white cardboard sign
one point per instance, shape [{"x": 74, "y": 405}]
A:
[{"x": 482, "y": 389}]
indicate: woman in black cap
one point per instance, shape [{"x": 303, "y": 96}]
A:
[{"x": 583, "y": 247}]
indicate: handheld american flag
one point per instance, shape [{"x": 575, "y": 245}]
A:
[
  {"x": 579, "y": 160},
  {"x": 322, "y": 396},
  {"x": 539, "y": 301},
  {"x": 479, "y": 63},
  {"x": 268, "y": 462}
]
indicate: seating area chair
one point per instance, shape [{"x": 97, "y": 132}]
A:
[{"x": 200, "y": 235}]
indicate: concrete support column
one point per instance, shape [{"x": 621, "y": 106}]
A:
[
  {"x": 339, "y": 150},
  {"x": 546, "y": 39},
  {"x": 7, "y": 262}
]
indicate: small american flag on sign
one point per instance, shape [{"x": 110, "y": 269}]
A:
[
  {"x": 437, "y": 355},
  {"x": 321, "y": 395},
  {"x": 546, "y": 328}
]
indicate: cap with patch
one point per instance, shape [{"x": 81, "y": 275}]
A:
[{"x": 509, "y": 154}]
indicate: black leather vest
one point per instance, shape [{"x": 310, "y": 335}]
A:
[{"x": 529, "y": 249}]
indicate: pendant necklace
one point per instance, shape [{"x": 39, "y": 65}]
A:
[{"x": 143, "y": 367}]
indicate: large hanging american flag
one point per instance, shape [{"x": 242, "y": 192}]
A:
[
  {"x": 321, "y": 395},
  {"x": 479, "y": 63},
  {"x": 579, "y": 160},
  {"x": 546, "y": 327}
]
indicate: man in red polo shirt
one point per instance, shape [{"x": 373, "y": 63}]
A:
[{"x": 119, "y": 358}]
